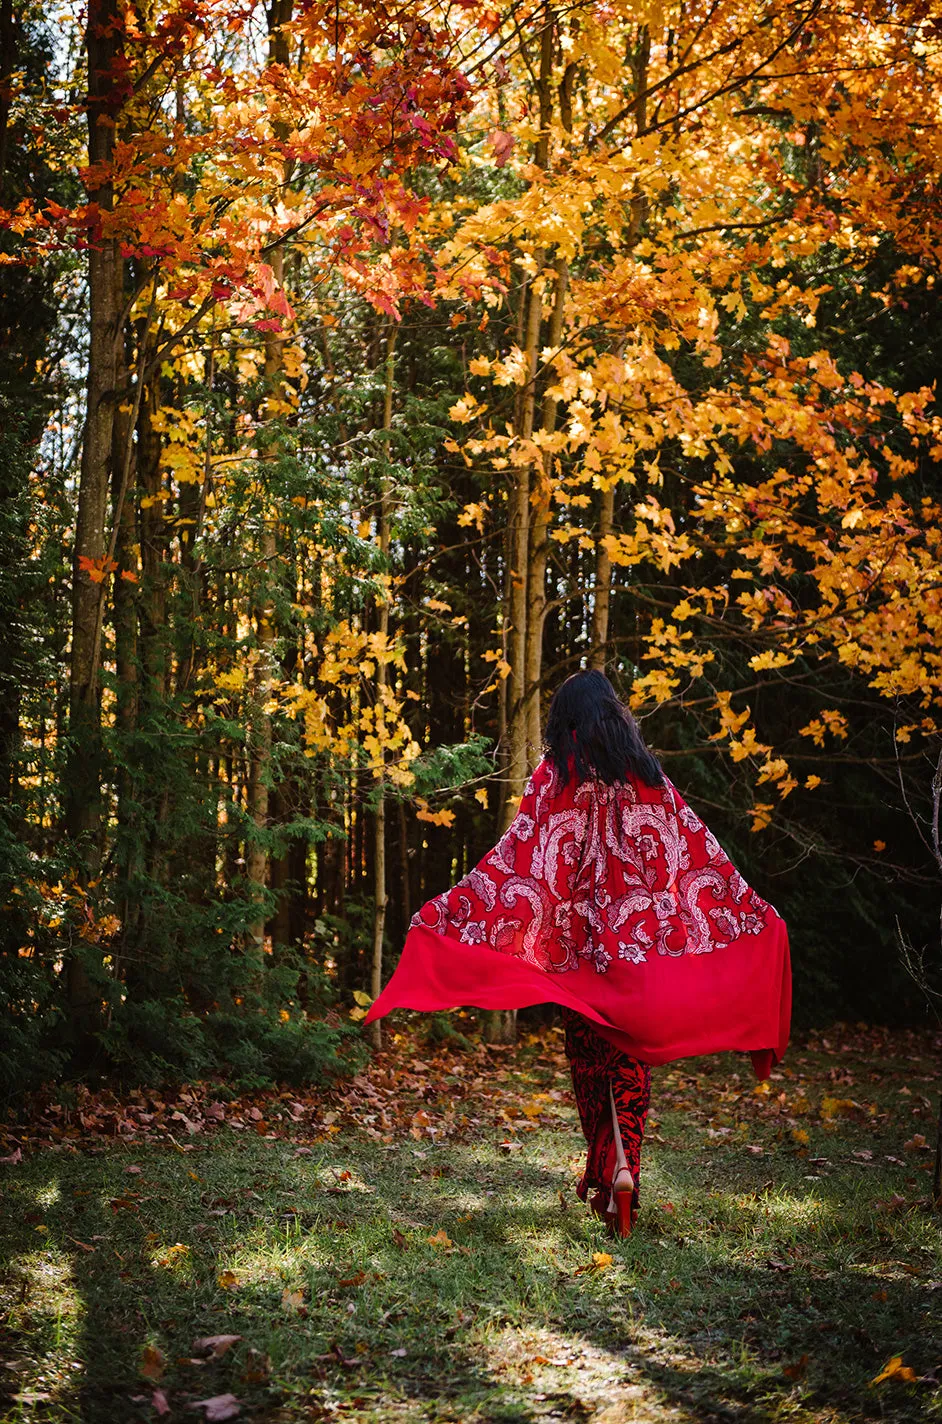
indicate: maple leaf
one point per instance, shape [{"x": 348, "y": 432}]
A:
[
  {"x": 441, "y": 1238},
  {"x": 502, "y": 146},
  {"x": 153, "y": 1363},
  {"x": 894, "y": 1369}
]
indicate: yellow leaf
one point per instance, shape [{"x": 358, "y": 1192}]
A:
[
  {"x": 364, "y": 1000},
  {"x": 441, "y": 1238},
  {"x": 837, "y": 1107},
  {"x": 601, "y": 1260},
  {"x": 481, "y": 796},
  {"x": 894, "y": 1369},
  {"x": 227, "y": 1279}
]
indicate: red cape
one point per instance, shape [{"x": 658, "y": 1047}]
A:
[{"x": 619, "y": 903}]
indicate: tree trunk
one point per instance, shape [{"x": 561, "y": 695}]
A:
[
  {"x": 82, "y": 779},
  {"x": 601, "y": 602},
  {"x": 539, "y": 538},
  {"x": 259, "y": 780},
  {"x": 526, "y": 599},
  {"x": 382, "y": 619}
]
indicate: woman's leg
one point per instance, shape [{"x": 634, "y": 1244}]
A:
[{"x": 604, "y": 1079}]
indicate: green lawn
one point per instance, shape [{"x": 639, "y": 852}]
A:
[{"x": 785, "y": 1250}]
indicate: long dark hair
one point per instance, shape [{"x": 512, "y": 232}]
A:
[{"x": 587, "y": 722}]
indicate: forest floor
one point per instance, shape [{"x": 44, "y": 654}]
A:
[{"x": 409, "y": 1247}]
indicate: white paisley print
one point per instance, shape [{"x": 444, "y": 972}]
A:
[{"x": 596, "y": 874}]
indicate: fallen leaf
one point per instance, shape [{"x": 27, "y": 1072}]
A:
[
  {"x": 227, "y": 1279},
  {"x": 917, "y": 1144},
  {"x": 398, "y": 1239},
  {"x": 159, "y": 1402},
  {"x": 441, "y": 1238},
  {"x": 14, "y": 1157},
  {"x": 895, "y": 1369},
  {"x": 153, "y": 1363},
  {"x": 216, "y": 1344},
  {"x": 400, "y": 1353},
  {"x": 173, "y": 1253},
  {"x": 219, "y": 1407},
  {"x": 893, "y": 1203},
  {"x": 798, "y": 1370},
  {"x": 601, "y": 1261},
  {"x": 337, "y": 1354},
  {"x": 837, "y": 1107},
  {"x": 291, "y": 1300},
  {"x": 85, "y": 1247}
]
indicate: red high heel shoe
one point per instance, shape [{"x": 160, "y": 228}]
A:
[{"x": 623, "y": 1188}]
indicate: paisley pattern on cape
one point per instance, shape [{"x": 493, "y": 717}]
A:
[
  {"x": 615, "y": 902},
  {"x": 606, "y": 872}
]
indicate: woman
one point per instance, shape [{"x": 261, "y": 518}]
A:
[{"x": 607, "y": 895}]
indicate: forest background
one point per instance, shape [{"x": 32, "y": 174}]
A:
[{"x": 365, "y": 370}]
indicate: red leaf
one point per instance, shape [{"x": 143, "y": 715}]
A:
[{"x": 502, "y": 145}]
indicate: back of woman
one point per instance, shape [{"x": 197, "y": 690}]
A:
[{"x": 609, "y": 896}]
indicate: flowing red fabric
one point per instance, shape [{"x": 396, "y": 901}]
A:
[{"x": 615, "y": 901}]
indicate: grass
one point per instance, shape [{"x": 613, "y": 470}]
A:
[{"x": 433, "y": 1262}]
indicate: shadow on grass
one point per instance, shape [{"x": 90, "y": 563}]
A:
[{"x": 730, "y": 1308}]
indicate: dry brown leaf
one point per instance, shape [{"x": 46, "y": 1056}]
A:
[
  {"x": 216, "y": 1344},
  {"x": 218, "y": 1408},
  {"x": 153, "y": 1363}
]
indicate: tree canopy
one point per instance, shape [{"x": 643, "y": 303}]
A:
[{"x": 367, "y": 369}]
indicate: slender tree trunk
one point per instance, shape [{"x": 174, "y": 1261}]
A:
[
  {"x": 526, "y": 591},
  {"x": 539, "y": 537},
  {"x": 382, "y": 619},
  {"x": 82, "y": 780},
  {"x": 126, "y": 673},
  {"x": 601, "y": 602},
  {"x": 602, "y": 597},
  {"x": 259, "y": 779}
]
